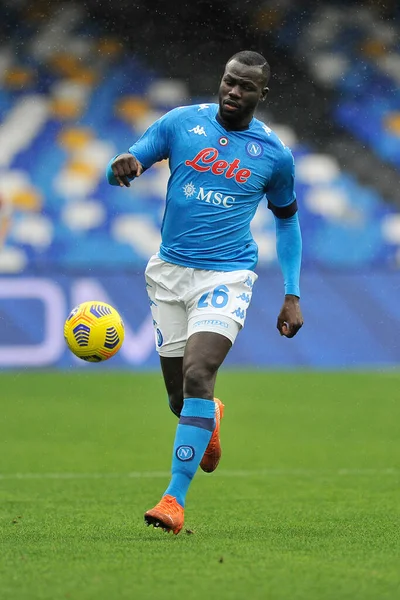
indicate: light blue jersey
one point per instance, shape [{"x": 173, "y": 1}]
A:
[{"x": 218, "y": 178}]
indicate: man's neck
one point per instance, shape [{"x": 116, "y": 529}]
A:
[{"x": 231, "y": 126}]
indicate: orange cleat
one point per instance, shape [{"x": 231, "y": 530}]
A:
[
  {"x": 167, "y": 514},
  {"x": 213, "y": 452}
]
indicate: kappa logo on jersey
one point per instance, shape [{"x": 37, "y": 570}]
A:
[
  {"x": 206, "y": 160},
  {"x": 199, "y": 130}
]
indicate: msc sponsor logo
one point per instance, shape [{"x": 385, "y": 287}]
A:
[
  {"x": 184, "y": 453},
  {"x": 212, "y": 197},
  {"x": 189, "y": 190},
  {"x": 206, "y": 160},
  {"x": 215, "y": 322}
]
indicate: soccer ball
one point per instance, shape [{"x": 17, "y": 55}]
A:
[{"x": 94, "y": 331}]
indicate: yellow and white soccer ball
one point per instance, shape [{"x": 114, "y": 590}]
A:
[{"x": 94, "y": 331}]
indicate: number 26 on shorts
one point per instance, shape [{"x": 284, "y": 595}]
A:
[{"x": 218, "y": 298}]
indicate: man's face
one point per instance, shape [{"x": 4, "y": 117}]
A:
[{"x": 241, "y": 89}]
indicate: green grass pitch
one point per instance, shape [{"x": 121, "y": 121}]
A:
[{"x": 304, "y": 505}]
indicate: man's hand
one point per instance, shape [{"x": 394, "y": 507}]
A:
[
  {"x": 290, "y": 318},
  {"x": 126, "y": 167}
]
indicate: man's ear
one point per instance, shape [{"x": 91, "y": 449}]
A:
[{"x": 264, "y": 94}]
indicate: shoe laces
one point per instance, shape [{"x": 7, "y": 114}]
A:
[{"x": 169, "y": 501}]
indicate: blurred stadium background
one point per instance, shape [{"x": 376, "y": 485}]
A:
[{"x": 80, "y": 81}]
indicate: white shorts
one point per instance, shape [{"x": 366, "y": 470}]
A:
[{"x": 184, "y": 301}]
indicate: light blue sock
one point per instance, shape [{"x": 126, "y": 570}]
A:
[{"x": 196, "y": 424}]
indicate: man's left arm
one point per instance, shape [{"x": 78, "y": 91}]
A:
[
  {"x": 288, "y": 249},
  {"x": 282, "y": 202}
]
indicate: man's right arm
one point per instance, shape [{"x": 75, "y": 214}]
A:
[
  {"x": 151, "y": 147},
  {"x": 122, "y": 169}
]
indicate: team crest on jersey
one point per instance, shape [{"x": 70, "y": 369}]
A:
[{"x": 254, "y": 149}]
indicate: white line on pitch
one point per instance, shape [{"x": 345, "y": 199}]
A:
[{"x": 220, "y": 473}]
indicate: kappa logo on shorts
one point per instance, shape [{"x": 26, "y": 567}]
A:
[
  {"x": 249, "y": 282},
  {"x": 239, "y": 312},
  {"x": 244, "y": 297},
  {"x": 185, "y": 453}
]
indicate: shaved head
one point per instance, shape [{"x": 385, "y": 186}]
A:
[{"x": 253, "y": 59}]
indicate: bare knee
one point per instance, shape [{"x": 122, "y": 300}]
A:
[
  {"x": 199, "y": 381},
  {"x": 204, "y": 353}
]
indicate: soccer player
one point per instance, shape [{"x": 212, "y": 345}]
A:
[{"x": 223, "y": 162}]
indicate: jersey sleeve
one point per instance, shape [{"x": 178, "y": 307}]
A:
[
  {"x": 280, "y": 190},
  {"x": 154, "y": 144}
]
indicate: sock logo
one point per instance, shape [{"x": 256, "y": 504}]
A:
[{"x": 184, "y": 453}]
